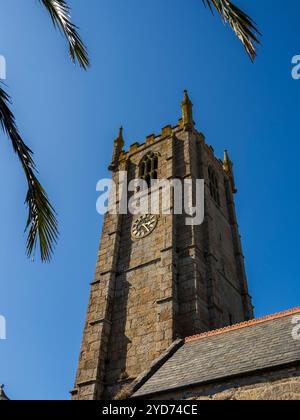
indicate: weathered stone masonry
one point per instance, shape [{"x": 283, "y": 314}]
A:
[{"x": 179, "y": 281}]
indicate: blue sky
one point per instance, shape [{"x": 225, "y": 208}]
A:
[{"x": 144, "y": 54}]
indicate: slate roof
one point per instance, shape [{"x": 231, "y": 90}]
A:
[{"x": 261, "y": 344}]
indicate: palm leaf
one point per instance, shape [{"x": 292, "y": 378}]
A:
[
  {"x": 41, "y": 223},
  {"x": 61, "y": 18},
  {"x": 240, "y": 22}
]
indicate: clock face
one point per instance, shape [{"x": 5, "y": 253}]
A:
[{"x": 143, "y": 226}]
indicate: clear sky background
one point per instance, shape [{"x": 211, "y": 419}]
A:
[{"x": 144, "y": 53}]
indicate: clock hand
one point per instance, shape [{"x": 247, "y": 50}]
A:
[{"x": 147, "y": 228}]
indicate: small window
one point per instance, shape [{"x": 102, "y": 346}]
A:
[
  {"x": 214, "y": 185},
  {"x": 149, "y": 168}
]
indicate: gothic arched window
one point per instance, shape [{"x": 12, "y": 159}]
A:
[
  {"x": 149, "y": 168},
  {"x": 214, "y": 185}
]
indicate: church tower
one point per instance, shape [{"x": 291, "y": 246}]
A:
[{"x": 156, "y": 278}]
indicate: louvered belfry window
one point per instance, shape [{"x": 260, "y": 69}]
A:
[
  {"x": 149, "y": 168},
  {"x": 214, "y": 185}
]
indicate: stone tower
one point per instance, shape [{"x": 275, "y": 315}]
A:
[{"x": 170, "y": 281}]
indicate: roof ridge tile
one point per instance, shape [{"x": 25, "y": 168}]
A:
[{"x": 242, "y": 325}]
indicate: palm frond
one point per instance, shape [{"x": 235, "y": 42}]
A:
[
  {"x": 41, "y": 223},
  {"x": 60, "y": 14},
  {"x": 240, "y": 22}
]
